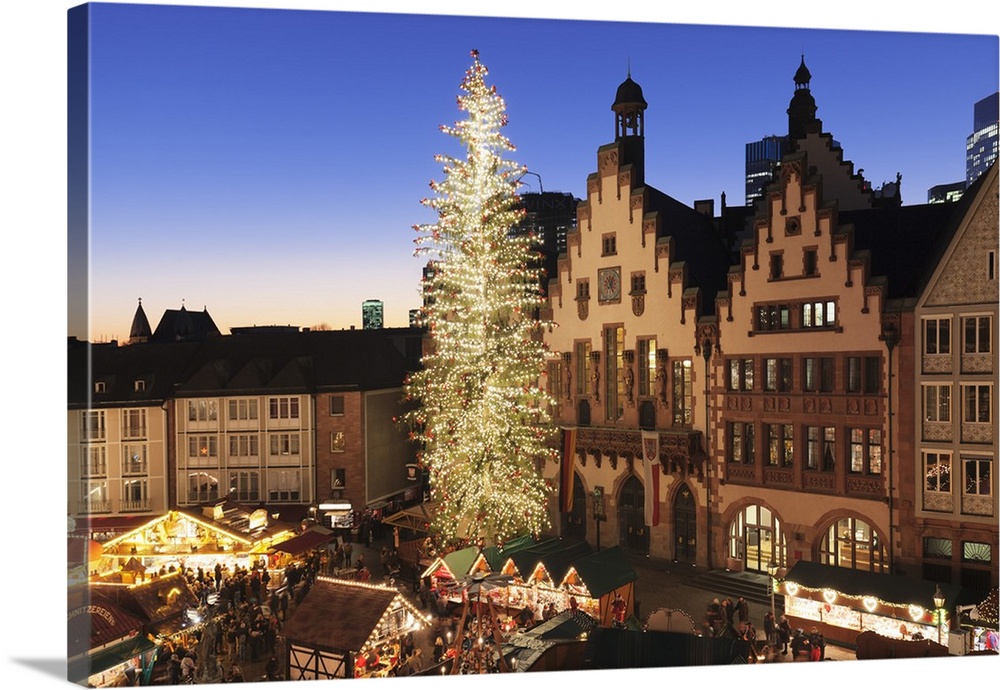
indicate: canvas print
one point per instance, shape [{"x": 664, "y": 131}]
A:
[{"x": 420, "y": 346}]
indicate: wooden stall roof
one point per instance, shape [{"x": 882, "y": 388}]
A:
[
  {"x": 496, "y": 556},
  {"x": 557, "y": 555},
  {"x": 96, "y": 621},
  {"x": 458, "y": 563},
  {"x": 417, "y": 518},
  {"x": 312, "y": 538},
  {"x": 604, "y": 571},
  {"x": 161, "y": 601},
  {"x": 338, "y": 615}
]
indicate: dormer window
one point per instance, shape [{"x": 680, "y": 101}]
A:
[
  {"x": 140, "y": 385},
  {"x": 98, "y": 386}
]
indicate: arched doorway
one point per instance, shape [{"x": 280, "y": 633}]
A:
[
  {"x": 583, "y": 413},
  {"x": 633, "y": 532},
  {"x": 755, "y": 537},
  {"x": 575, "y": 522},
  {"x": 685, "y": 526}
]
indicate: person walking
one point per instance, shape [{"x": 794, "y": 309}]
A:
[
  {"x": 784, "y": 633},
  {"x": 769, "y": 628},
  {"x": 743, "y": 610}
]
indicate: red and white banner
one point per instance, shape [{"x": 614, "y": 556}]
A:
[
  {"x": 651, "y": 475},
  {"x": 566, "y": 470}
]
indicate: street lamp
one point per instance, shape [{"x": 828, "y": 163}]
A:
[
  {"x": 939, "y": 606},
  {"x": 772, "y": 570}
]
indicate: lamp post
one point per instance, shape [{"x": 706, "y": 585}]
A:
[
  {"x": 939, "y": 606},
  {"x": 772, "y": 570}
]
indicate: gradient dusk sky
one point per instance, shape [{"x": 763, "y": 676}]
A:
[{"x": 269, "y": 164}]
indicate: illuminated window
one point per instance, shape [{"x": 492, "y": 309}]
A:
[
  {"x": 134, "y": 423},
  {"x": 740, "y": 442},
  {"x": 614, "y": 342},
  {"x": 682, "y": 392},
  {"x": 866, "y": 451},
  {"x": 773, "y": 317},
  {"x": 337, "y": 442},
  {"x": 740, "y": 374},
  {"x": 937, "y": 472},
  {"x": 134, "y": 459},
  {"x": 582, "y": 355},
  {"x": 777, "y": 374},
  {"x": 284, "y": 444},
  {"x": 646, "y": 356},
  {"x": 94, "y": 461},
  {"x": 852, "y": 543},
  {"x": 203, "y": 410},
  {"x": 819, "y": 314},
  {"x": 780, "y": 445}
]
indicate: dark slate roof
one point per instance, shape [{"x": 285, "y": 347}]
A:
[
  {"x": 159, "y": 366},
  {"x": 338, "y": 615},
  {"x": 696, "y": 242},
  {"x": 905, "y": 242},
  {"x": 182, "y": 325}
]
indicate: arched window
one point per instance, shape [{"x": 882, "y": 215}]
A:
[
  {"x": 755, "y": 537},
  {"x": 852, "y": 543}
]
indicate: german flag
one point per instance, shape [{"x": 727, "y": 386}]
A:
[{"x": 566, "y": 470}]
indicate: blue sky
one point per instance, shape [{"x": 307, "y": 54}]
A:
[{"x": 268, "y": 164}]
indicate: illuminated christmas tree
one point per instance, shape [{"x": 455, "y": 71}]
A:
[{"x": 482, "y": 418}]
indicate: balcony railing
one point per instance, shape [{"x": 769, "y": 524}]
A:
[
  {"x": 95, "y": 506},
  {"x": 135, "y": 506}
]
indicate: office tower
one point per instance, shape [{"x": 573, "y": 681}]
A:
[
  {"x": 762, "y": 158},
  {"x": 981, "y": 145},
  {"x": 371, "y": 314}
]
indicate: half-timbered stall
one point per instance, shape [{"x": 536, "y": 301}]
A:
[
  {"x": 345, "y": 629},
  {"x": 538, "y": 572}
]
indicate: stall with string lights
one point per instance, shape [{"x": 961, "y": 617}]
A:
[
  {"x": 346, "y": 629},
  {"x": 841, "y": 603}
]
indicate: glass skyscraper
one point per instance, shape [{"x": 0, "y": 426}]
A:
[
  {"x": 371, "y": 314},
  {"x": 981, "y": 145}
]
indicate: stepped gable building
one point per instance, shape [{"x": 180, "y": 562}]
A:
[
  {"x": 274, "y": 418},
  {"x": 639, "y": 270},
  {"x": 789, "y": 401}
]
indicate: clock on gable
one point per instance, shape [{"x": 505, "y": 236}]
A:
[{"x": 609, "y": 284}]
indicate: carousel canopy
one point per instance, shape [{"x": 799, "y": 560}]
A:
[
  {"x": 894, "y": 589},
  {"x": 604, "y": 571},
  {"x": 339, "y": 615}
]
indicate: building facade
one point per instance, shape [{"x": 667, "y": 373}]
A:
[
  {"x": 762, "y": 159},
  {"x": 786, "y": 390},
  {"x": 279, "y": 419}
]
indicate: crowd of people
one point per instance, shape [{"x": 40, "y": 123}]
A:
[{"x": 731, "y": 619}]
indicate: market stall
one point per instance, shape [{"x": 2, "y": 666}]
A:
[
  {"x": 106, "y": 642},
  {"x": 176, "y": 539},
  {"x": 538, "y": 573},
  {"x": 347, "y": 629},
  {"x": 597, "y": 580},
  {"x": 841, "y": 603}
]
